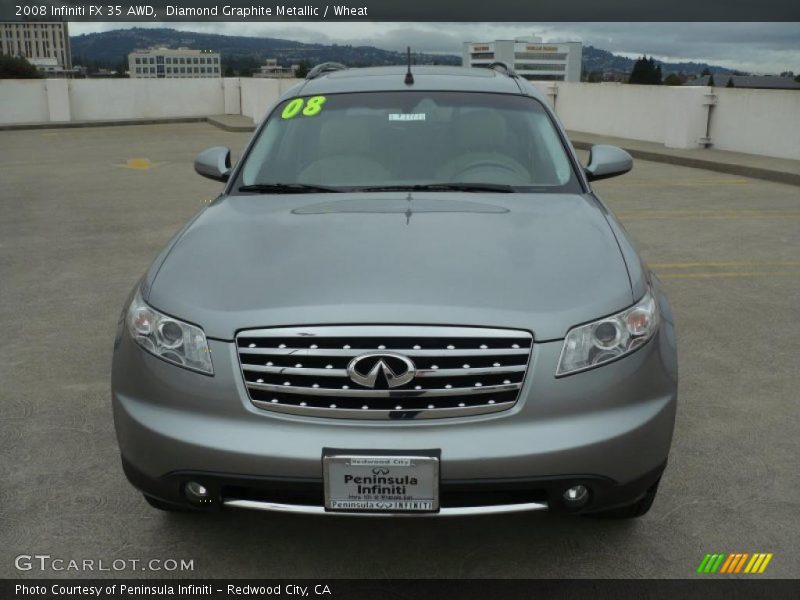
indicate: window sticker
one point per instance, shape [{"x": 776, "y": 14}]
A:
[
  {"x": 407, "y": 116},
  {"x": 300, "y": 106}
]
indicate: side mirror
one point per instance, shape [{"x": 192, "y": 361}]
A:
[
  {"x": 214, "y": 163},
  {"x": 607, "y": 161}
]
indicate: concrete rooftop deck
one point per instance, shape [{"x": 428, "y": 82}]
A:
[{"x": 84, "y": 211}]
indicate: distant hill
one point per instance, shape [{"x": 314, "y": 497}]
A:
[
  {"x": 597, "y": 59},
  {"x": 110, "y": 48}
]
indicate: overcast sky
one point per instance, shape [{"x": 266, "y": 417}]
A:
[{"x": 755, "y": 47}]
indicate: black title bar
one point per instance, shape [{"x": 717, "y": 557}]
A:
[
  {"x": 400, "y": 589},
  {"x": 403, "y": 10}
]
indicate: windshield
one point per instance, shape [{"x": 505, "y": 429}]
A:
[{"x": 409, "y": 140}]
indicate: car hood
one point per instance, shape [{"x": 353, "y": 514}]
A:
[{"x": 540, "y": 262}]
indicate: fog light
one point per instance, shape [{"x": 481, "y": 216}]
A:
[
  {"x": 197, "y": 493},
  {"x": 576, "y": 497}
]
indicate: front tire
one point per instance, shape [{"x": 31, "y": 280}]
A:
[{"x": 631, "y": 511}]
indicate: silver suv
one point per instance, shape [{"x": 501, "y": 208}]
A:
[{"x": 406, "y": 301}]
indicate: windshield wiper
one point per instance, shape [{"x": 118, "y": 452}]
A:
[
  {"x": 442, "y": 187},
  {"x": 287, "y": 188}
]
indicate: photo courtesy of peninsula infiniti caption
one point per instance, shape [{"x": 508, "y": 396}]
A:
[{"x": 406, "y": 301}]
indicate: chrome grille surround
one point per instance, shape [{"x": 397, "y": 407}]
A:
[{"x": 460, "y": 371}]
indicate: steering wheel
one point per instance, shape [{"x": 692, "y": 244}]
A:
[{"x": 517, "y": 170}]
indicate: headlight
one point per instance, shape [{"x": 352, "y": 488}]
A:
[
  {"x": 168, "y": 338},
  {"x": 609, "y": 338}
]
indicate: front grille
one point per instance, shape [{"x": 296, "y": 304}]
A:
[{"x": 458, "y": 371}]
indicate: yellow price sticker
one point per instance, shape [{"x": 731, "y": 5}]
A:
[{"x": 308, "y": 108}]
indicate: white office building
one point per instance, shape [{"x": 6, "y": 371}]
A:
[
  {"x": 174, "y": 62},
  {"x": 529, "y": 57},
  {"x": 272, "y": 70},
  {"x": 38, "y": 41}
]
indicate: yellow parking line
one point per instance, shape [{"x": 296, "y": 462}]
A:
[
  {"x": 673, "y": 183},
  {"x": 723, "y": 274},
  {"x": 140, "y": 164},
  {"x": 730, "y": 263},
  {"x": 703, "y": 213},
  {"x": 743, "y": 214},
  {"x": 708, "y": 211}
]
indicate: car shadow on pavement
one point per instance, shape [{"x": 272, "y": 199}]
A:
[{"x": 247, "y": 543}]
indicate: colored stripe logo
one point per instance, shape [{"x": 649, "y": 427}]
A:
[{"x": 736, "y": 562}]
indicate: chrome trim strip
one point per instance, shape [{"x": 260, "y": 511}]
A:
[
  {"x": 382, "y": 413},
  {"x": 455, "y": 511},
  {"x": 362, "y": 393},
  {"x": 444, "y": 353},
  {"x": 377, "y": 331},
  {"x": 315, "y": 372},
  {"x": 310, "y": 372},
  {"x": 470, "y": 371}
]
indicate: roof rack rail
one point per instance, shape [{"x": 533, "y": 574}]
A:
[
  {"x": 324, "y": 68},
  {"x": 502, "y": 67}
]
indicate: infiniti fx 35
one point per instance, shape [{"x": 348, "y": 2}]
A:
[{"x": 407, "y": 300}]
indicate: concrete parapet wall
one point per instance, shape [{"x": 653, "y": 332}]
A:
[
  {"x": 258, "y": 95},
  {"x": 765, "y": 122},
  {"x": 23, "y": 101},
  {"x": 91, "y": 99},
  {"x": 760, "y": 122}
]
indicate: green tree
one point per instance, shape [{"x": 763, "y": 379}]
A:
[
  {"x": 243, "y": 66},
  {"x": 13, "y": 67},
  {"x": 645, "y": 72},
  {"x": 594, "y": 77},
  {"x": 672, "y": 79},
  {"x": 658, "y": 76},
  {"x": 711, "y": 80},
  {"x": 730, "y": 82},
  {"x": 637, "y": 73},
  {"x": 302, "y": 70},
  {"x": 706, "y": 72},
  {"x": 121, "y": 68}
]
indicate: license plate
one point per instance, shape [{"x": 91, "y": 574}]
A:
[{"x": 367, "y": 483}]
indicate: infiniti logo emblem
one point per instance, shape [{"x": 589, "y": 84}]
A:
[{"x": 397, "y": 369}]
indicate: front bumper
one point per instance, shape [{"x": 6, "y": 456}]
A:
[
  {"x": 458, "y": 497},
  {"x": 609, "y": 428}
]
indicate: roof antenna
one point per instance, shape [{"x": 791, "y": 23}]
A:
[{"x": 409, "y": 80}]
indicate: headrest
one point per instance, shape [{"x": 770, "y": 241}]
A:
[{"x": 344, "y": 136}]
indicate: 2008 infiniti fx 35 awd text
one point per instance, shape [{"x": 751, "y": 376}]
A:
[{"x": 406, "y": 301}]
